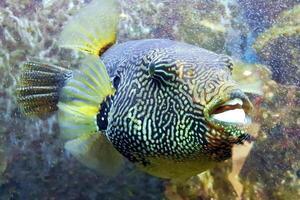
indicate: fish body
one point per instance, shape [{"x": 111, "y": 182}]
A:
[
  {"x": 156, "y": 119},
  {"x": 169, "y": 107}
]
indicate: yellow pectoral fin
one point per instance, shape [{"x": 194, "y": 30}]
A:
[{"x": 81, "y": 98}]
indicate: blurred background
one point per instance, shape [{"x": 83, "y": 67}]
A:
[{"x": 262, "y": 36}]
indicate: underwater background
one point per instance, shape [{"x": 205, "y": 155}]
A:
[{"x": 260, "y": 35}]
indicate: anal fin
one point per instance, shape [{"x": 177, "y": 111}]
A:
[{"x": 95, "y": 151}]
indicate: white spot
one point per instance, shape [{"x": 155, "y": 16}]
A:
[{"x": 247, "y": 73}]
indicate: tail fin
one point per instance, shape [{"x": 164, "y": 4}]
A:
[
  {"x": 39, "y": 88},
  {"x": 94, "y": 29}
]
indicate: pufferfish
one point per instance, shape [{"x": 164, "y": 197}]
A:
[{"x": 169, "y": 107}]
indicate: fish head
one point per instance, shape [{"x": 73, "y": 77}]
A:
[
  {"x": 214, "y": 109},
  {"x": 226, "y": 108}
]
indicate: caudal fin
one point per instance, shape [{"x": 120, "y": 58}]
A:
[
  {"x": 94, "y": 29},
  {"x": 38, "y": 89}
]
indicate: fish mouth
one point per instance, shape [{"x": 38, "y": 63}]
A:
[
  {"x": 233, "y": 111},
  {"x": 230, "y": 110}
]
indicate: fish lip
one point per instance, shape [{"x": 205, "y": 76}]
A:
[{"x": 218, "y": 102}]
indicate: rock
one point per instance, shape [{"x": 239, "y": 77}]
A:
[{"x": 279, "y": 47}]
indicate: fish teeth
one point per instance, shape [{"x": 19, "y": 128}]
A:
[
  {"x": 233, "y": 102},
  {"x": 232, "y": 116}
]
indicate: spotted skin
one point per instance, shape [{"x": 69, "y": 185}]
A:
[{"x": 156, "y": 114}]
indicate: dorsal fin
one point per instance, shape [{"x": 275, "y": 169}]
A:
[{"x": 94, "y": 29}]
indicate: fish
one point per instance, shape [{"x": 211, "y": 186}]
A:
[{"x": 171, "y": 108}]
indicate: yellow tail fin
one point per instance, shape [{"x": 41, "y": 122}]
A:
[{"x": 94, "y": 29}]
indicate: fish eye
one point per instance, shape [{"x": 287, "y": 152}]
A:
[
  {"x": 151, "y": 69},
  {"x": 163, "y": 71},
  {"x": 116, "y": 81},
  {"x": 226, "y": 61}
]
